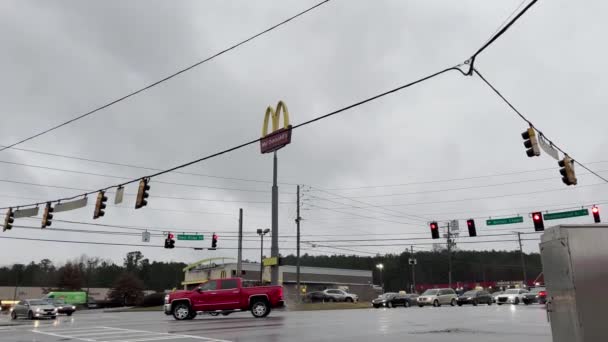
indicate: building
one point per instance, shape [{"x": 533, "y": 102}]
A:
[{"x": 311, "y": 278}]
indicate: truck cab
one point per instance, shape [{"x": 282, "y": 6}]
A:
[{"x": 223, "y": 296}]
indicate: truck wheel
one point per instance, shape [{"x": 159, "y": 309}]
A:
[
  {"x": 214, "y": 314},
  {"x": 192, "y": 315},
  {"x": 226, "y": 313},
  {"x": 181, "y": 311},
  {"x": 260, "y": 309}
]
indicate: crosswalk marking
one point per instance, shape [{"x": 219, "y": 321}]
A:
[{"x": 112, "y": 334}]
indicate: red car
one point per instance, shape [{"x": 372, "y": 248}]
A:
[{"x": 224, "y": 296}]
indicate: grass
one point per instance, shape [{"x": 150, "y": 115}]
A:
[{"x": 329, "y": 306}]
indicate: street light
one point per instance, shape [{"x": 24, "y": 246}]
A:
[
  {"x": 380, "y": 267},
  {"x": 261, "y": 233}
]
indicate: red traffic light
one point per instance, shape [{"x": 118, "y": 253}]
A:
[
  {"x": 433, "y": 225},
  {"x": 434, "y": 230},
  {"x": 537, "y": 218},
  {"x": 596, "y": 214},
  {"x": 170, "y": 236}
]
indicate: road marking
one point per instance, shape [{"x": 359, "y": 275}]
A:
[{"x": 109, "y": 334}]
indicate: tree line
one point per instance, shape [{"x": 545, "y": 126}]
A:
[{"x": 432, "y": 267}]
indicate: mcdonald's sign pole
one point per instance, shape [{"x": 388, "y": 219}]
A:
[{"x": 272, "y": 142}]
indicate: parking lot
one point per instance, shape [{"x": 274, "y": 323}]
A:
[{"x": 482, "y": 323}]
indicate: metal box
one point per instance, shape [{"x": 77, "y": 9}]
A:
[{"x": 575, "y": 266}]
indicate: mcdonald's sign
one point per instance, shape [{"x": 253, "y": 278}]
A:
[{"x": 278, "y": 137}]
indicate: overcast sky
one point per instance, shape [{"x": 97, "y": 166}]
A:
[{"x": 63, "y": 58}]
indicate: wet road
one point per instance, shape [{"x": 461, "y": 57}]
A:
[{"x": 456, "y": 324}]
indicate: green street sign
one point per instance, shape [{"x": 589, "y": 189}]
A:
[
  {"x": 507, "y": 220},
  {"x": 566, "y": 214},
  {"x": 190, "y": 237}
]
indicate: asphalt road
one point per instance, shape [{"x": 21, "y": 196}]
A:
[{"x": 454, "y": 324}]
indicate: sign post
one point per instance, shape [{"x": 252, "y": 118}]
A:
[{"x": 272, "y": 142}]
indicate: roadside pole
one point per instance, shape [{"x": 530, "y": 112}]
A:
[
  {"x": 413, "y": 264},
  {"x": 261, "y": 259},
  {"x": 523, "y": 260},
  {"x": 449, "y": 258},
  {"x": 298, "y": 218},
  {"x": 274, "y": 248},
  {"x": 239, "y": 263}
]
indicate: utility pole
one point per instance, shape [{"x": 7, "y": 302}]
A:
[
  {"x": 262, "y": 260},
  {"x": 413, "y": 264},
  {"x": 449, "y": 258},
  {"x": 523, "y": 260},
  {"x": 298, "y": 218},
  {"x": 239, "y": 263},
  {"x": 274, "y": 249}
]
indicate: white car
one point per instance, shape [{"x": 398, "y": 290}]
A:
[{"x": 511, "y": 296}]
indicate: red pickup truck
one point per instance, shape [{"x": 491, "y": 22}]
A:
[{"x": 224, "y": 296}]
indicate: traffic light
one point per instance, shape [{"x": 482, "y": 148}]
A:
[
  {"x": 596, "y": 214},
  {"x": 471, "y": 226},
  {"x": 142, "y": 193},
  {"x": 8, "y": 220},
  {"x": 169, "y": 241},
  {"x": 47, "y": 217},
  {"x": 531, "y": 142},
  {"x": 100, "y": 205},
  {"x": 214, "y": 241},
  {"x": 567, "y": 171},
  {"x": 434, "y": 230},
  {"x": 537, "y": 218}
]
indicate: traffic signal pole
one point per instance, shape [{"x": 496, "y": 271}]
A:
[
  {"x": 413, "y": 270},
  {"x": 523, "y": 260}
]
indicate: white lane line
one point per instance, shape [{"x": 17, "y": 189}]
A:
[
  {"x": 70, "y": 330},
  {"x": 179, "y": 335},
  {"x": 104, "y": 333},
  {"x": 62, "y": 336},
  {"x": 157, "y": 338}
]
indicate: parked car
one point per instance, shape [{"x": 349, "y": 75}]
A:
[
  {"x": 33, "y": 308},
  {"x": 437, "y": 297},
  {"x": 315, "y": 297},
  {"x": 496, "y": 294},
  {"x": 511, "y": 296},
  {"x": 384, "y": 300},
  {"x": 335, "y": 295},
  {"x": 475, "y": 297},
  {"x": 62, "y": 306},
  {"x": 536, "y": 295},
  {"x": 224, "y": 296}
]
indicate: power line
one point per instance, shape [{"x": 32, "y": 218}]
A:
[
  {"x": 151, "y": 85},
  {"x": 133, "y": 195},
  {"x": 456, "y": 189},
  {"x": 486, "y": 197},
  {"x": 351, "y": 198},
  {"x": 123, "y": 177},
  {"x": 234, "y": 148},
  {"x": 532, "y": 125},
  {"x": 142, "y": 167},
  {"x": 501, "y": 32},
  {"x": 122, "y": 244}
]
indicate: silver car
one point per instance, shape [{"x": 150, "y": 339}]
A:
[
  {"x": 436, "y": 297},
  {"x": 33, "y": 308},
  {"x": 335, "y": 295}
]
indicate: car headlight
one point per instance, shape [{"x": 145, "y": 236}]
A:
[
  {"x": 61, "y": 307},
  {"x": 73, "y": 308},
  {"x": 55, "y": 310},
  {"x": 469, "y": 298},
  {"x": 37, "y": 309}
]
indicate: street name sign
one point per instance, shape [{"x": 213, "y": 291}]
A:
[
  {"x": 566, "y": 214},
  {"x": 507, "y": 220},
  {"x": 190, "y": 237}
]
